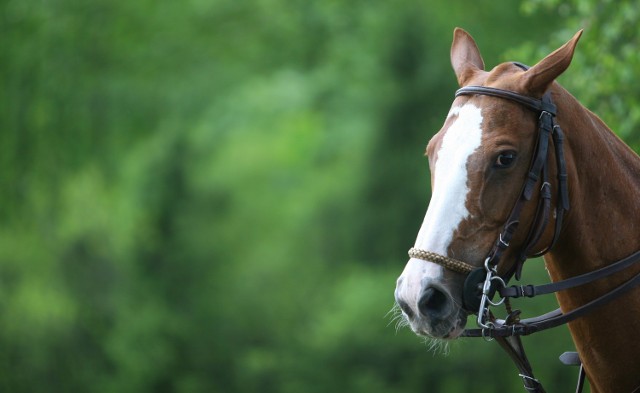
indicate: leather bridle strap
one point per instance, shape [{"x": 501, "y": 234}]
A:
[
  {"x": 514, "y": 348},
  {"x": 537, "y": 173},
  {"x": 563, "y": 193},
  {"x": 508, "y": 334},
  {"x": 517, "y": 291},
  {"x": 543, "y": 210},
  {"x": 532, "y": 103},
  {"x": 555, "y": 318}
]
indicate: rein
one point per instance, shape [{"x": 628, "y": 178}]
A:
[{"x": 483, "y": 282}]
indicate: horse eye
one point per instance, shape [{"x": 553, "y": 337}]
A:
[{"x": 505, "y": 159}]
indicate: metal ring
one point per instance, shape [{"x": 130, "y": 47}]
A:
[
  {"x": 501, "y": 281},
  {"x": 489, "y": 327},
  {"x": 496, "y": 303}
]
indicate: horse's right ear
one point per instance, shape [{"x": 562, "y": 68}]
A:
[
  {"x": 465, "y": 56},
  {"x": 538, "y": 78}
]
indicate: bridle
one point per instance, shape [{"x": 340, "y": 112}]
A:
[{"x": 482, "y": 283}]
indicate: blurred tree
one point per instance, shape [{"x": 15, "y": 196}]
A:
[{"x": 603, "y": 72}]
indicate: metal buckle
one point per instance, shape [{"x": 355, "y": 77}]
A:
[
  {"x": 505, "y": 244},
  {"x": 485, "y": 301},
  {"x": 543, "y": 112}
]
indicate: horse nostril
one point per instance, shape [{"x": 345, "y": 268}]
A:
[
  {"x": 432, "y": 303},
  {"x": 405, "y": 307}
]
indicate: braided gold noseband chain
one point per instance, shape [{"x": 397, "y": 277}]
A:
[{"x": 449, "y": 263}]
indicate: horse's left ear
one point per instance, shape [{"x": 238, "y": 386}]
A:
[
  {"x": 465, "y": 56},
  {"x": 538, "y": 78}
]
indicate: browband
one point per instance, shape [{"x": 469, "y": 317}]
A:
[{"x": 531, "y": 103}]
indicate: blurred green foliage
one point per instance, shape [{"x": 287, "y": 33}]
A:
[
  {"x": 217, "y": 196},
  {"x": 604, "y": 71}
]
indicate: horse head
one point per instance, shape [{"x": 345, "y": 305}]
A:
[{"x": 479, "y": 161}]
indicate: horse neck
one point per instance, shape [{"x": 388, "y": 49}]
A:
[
  {"x": 603, "y": 223},
  {"x": 602, "y": 226}
]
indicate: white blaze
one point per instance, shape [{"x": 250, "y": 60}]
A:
[{"x": 447, "y": 207}]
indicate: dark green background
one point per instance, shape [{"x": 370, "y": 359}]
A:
[{"x": 217, "y": 196}]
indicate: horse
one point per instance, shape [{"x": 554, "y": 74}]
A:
[{"x": 497, "y": 199}]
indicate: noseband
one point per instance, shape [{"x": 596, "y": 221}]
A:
[{"x": 482, "y": 283}]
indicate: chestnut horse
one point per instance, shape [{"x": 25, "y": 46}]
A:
[{"x": 479, "y": 161}]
